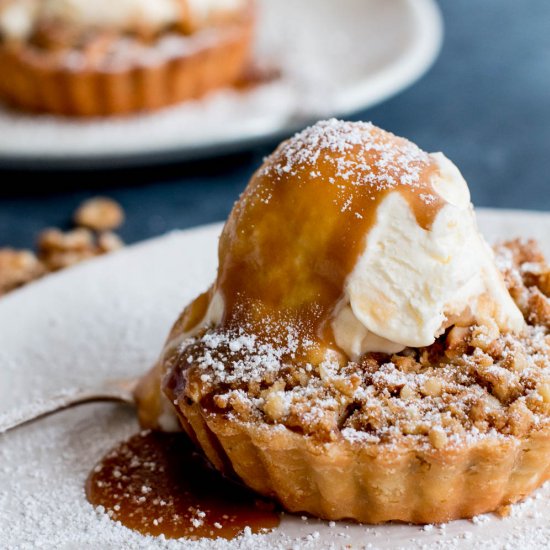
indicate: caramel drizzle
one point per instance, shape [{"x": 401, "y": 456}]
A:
[
  {"x": 157, "y": 484},
  {"x": 301, "y": 224}
]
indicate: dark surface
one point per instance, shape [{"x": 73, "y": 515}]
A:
[{"x": 486, "y": 104}]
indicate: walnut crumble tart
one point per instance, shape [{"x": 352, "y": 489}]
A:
[
  {"x": 103, "y": 58},
  {"x": 261, "y": 380}
]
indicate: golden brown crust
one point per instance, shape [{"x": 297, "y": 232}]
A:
[
  {"x": 52, "y": 81},
  {"x": 374, "y": 483}
]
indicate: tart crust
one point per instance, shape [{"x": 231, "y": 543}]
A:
[
  {"x": 372, "y": 483},
  {"x": 48, "y": 81}
]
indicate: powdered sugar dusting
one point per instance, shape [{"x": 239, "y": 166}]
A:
[
  {"x": 397, "y": 162},
  {"x": 129, "y": 306},
  {"x": 361, "y": 158},
  {"x": 247, "y": 359}
]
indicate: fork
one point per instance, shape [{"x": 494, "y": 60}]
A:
[{"x": 121, "y": 390}]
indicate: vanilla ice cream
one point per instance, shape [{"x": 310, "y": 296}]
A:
[
  {"x": 362, "y": 240},
  {"x": 409, "y": 281}
]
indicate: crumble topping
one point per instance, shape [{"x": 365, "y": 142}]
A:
[{"x": 472, "y": 382}]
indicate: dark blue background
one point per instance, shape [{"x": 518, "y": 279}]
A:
[{"x": 485, "y": 103}]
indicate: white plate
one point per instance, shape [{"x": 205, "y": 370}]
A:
[
  {"x": 337, "y": 57},
  {"x": 108, "y": 318}
]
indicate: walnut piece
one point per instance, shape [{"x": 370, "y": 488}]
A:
[
  {"x": 109, "y": 242},
  {"x": 99, "y": 214},
  {"x": 59, "y": 250},
  {"x": 438, "y": 438},
  {"x": 18, "y": 267}
]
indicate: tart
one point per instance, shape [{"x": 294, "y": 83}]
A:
[
  {"x": 70, "y": 57},
  {"x": 363, "y": 354}
]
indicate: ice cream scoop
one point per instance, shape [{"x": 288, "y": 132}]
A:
[
  {"x": 411, "y": 282},
  {"x": 359, "y": 239}
]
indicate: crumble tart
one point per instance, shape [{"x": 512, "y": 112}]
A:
[
  {"x": 70, "y": 57},
  {"x": 314, "y": 386}
]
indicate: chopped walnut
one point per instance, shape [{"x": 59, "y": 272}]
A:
[
  {"x": 516, "y": 361},
  {"x": 458, "y": 341},
  {"x": 99, "y": 214},
  {"x": 544, "y": 391},
  {"x": 407, "y": 393},
  {"x": 406, "y": 364},
  {"x": 432, "y": 387},
  {"x": 18, "y": 267},
  {"x": 59, "y": 250},
  {"x": 76, "y": 240},
  {"x": 539, "y": 308},
  {"x": 485, "y": 337},
  {"x": 438, "y": 438},
  {"x": 275, "y": 406}
]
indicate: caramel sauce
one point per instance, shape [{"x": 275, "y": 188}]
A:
[
  {"x": 156, "y": 483},
  {"x": 302, "y": 222}
]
